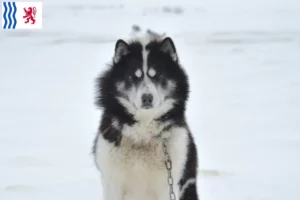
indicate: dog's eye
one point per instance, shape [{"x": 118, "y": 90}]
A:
[
  {"x": 152, "y": 72},
  {"x": 138, "y": 73}
]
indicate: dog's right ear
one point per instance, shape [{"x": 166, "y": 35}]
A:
[{"x": 121, "y": 49}]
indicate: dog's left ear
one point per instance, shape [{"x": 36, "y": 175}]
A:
[{"x": 167, "y": 46}]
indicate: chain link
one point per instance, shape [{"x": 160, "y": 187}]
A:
[{"x": 168, "y": 163}]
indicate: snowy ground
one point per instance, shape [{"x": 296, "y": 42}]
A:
[{"x": 243, "y": 59}]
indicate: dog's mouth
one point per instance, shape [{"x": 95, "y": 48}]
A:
[
  {"x": 150, "y": 110},
  {"x": 147, "y": 107}
]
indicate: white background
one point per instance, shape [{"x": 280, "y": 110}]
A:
[
  {"x": 38, "y": 17},
  {"x": 243, "y": 60}
]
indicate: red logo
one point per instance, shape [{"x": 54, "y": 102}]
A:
[{"x": 30, "y": 14}]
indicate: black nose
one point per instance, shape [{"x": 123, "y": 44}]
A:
[{"x": 147, "y": 100}]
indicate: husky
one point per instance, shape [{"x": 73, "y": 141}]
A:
[{"x": 143, "y": 96}]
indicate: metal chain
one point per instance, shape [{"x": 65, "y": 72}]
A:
[{"x": 168, "y": 163}]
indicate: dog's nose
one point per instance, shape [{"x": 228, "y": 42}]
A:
[{"x": 147, "y": 100}]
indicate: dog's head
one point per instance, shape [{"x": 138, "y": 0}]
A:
[{"x": 144, "y": 79}]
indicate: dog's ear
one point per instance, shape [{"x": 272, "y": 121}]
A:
[
  {"x": 167, "y": 46},
  {"x": 121, "y": 49}
]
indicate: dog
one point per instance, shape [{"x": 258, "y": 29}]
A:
[{"x": 143, "y": 96}]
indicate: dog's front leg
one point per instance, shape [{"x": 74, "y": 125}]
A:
[{"x": 112, "y": 190}]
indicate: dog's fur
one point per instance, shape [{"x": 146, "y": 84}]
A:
[{"x": 127, "y": 148}]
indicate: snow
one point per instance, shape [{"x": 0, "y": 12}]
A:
[{"x": 243, "y": 61}]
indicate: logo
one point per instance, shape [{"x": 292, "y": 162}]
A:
[
  {"x": 30, "y": 15},
  {"x": 22, "y": 15}
]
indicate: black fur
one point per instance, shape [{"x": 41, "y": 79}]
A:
[
  {"x": 171, "y": 71},
  {"x": 106, "y": 84},
  {"x": 166, "y": 69},
  {"x": 190, "y": 172},
  {"x": 164, "y": 65},
  {"x": 190, "y": 193}
]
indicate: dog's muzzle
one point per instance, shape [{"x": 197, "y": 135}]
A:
[{"x": 147, "y": 101}]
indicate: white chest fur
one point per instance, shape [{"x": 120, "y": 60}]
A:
[{"x": 137, "y": 171}]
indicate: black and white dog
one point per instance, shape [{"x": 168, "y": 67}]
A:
[{"x": 143, "y": 96}]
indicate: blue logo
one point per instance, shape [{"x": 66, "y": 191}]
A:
[{"x": 9, "y": 15}]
